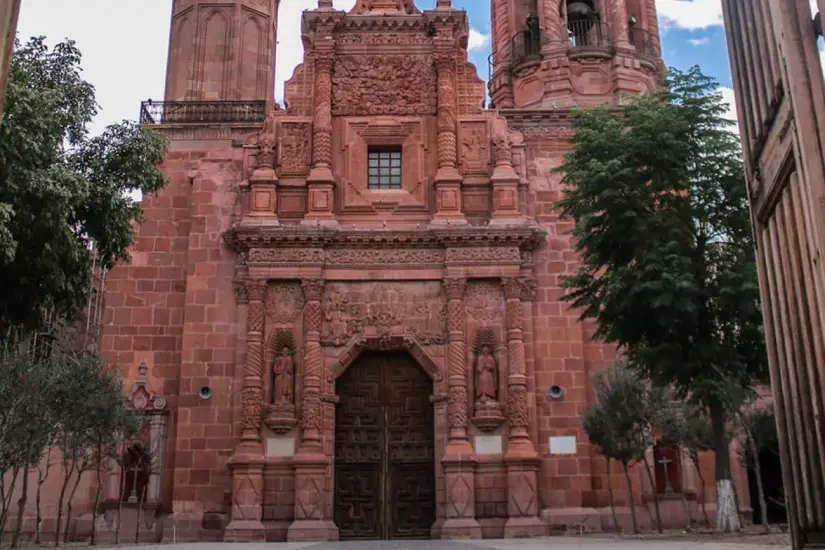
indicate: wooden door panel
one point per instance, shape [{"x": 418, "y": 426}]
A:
[{"x": 384, "y": 450}]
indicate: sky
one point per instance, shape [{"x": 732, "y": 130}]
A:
[{"x": 124, "y": 42}]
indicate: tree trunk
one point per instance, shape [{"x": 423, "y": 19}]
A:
[
  {"x": 69, "y": 471},
  {"x": 727, "y": 514},
  {"x": 120, "y": 502},
  {"x": 703, "y": 494},
  {"x": 612, "y": 500},
  {"x": 21, "y": 508},
  {"x": 632, "y": 502},
  {"x": 139, "y": 510},
  {"x": 757, "y": 467},
  {"x": 655, "y": 492},
  {"x": 685, "y": 506},
  {"x": 69, "y": 506},
  {"x": 41, "y": 479},
  {"x": 7, "y": 498},
  {"x": 93, "y": 538}
]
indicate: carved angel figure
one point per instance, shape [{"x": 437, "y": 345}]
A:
[
  {"x": 283, "y": 370},
  {"x": 487, "y": 372}
]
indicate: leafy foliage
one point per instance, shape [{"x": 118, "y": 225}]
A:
[{"x": 61, "y": 191}]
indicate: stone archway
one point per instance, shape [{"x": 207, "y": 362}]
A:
[{"x": 384, "y": 478}]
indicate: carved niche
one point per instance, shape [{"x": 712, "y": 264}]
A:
[
  {"x": 475, "y": 147},
  {"x": 295, "y": 148},
  {"x": 370, "y": 85},
  {"x": 383, "y": 309},
  {"x": 487, "y": 375},
  {"x": 280, "y": 413}
]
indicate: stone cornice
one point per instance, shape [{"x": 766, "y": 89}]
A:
[{"x": 243, "y": 238}]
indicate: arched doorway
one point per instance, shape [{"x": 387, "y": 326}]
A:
[{"x": 384, "y": 449}]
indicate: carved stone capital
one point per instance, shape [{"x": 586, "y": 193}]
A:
[
  {"x": 241, "y": 296},
  {"x": 324, "y": 60},
  {"x": 256, "y": 290},
  {"x": 528, "y": 289},
  {"x": 513, "y": 288},
  {"x": 313, "y": 289},
  {"x": 454, "y": 288}
]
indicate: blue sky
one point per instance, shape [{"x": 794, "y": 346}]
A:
[{"x": 125, "y": 59}]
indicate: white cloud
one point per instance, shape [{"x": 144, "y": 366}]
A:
[
  {"x": 729, "y": 98},
  {"x": 477, "y": 40},
  {"x": 690, "y": 14},
  {"x": 699, "y": 41}
]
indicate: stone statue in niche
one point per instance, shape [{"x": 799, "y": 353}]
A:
[
  {"x": 488, "y": 412},
  {"x": 486, "y": 376},
  {"x": 283, "y": 372},
  {"x": 280, "y": 414}
]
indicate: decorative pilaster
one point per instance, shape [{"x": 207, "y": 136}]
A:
[
  {"x": 247, "y": 464},
  {"x": 551, "y": 23},
  {"x": 618, "y": 21},
  {"x": 447, "y": 179},
  {"x": 521, "y": 457},
  {"x": 505, "y": 179},
  {"x": 321, "y": 182},
  {"x": 311, "y": 464},
  {"x": 459, "y": 459},
  {"x": 263, "y": 204}
]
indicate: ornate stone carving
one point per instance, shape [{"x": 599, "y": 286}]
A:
[
  {"x": 546, "y": 132},
  {"x": 313, "y": 289},
  {"x": 284, "y": 302},
  {"x": 502, "y": 141},
  {"x": 295, "y": 143},
  {"x": 322, "y": 120},
  {"x": 484, "y": 254},
  {"x": 286, "y": 255},
  {"x": 517, "y": 415},
  {"x": 486, "y": 376},
  {"x": 384, "y": 38},
  {"x": 475, "y": 147},
  {"x": 528, "y": 289},
  {"x": 485, "y": 302},
  {"x": 311, "y": 416},
  {"x": 384, "y": 85},
  {"x": 377, "y": 256},
  {"x": 240, "y": 292},
  {"x": 267, "y": 145},
  {"x": 281, "y": 410},
  {"x": 457, "y": 407},
  {"x": 445, "y": 63},
  {"x": 513, "y": 289},
  {"x": 252, "y": 412},
  {"x": 406, "y": 7},
  {"x": 353, "y": 308},
  {"x": 488, "y": 415}
]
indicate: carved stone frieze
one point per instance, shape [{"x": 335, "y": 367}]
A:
[
  {"x": 353, "y": 308},
  {"x": 295, "y": 148},
  {"x": 475, "y": 147},
  {"x": 384, "y": 85},
  {"x": 485, "y": 302},
  {"x": 376, "y": 256},
  {"x": 484, "y": 254},
  {"x": 286, "y": 255},
  {"x": 384, "y": 38},
  {"x": 545, "y": 132},
  {"x": 284, "y": 302}
]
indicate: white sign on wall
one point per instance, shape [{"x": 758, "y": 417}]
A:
[
  {"x": 562, "y": 445},
  {"x": 488, "y": 444}
]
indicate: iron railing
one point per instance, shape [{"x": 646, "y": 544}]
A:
[
  {"x": 643, "y": 41},
  {"x": 587, "y": 33},
  {"x": 526, "y": 45},
  {"x": 202, "y": 112}
]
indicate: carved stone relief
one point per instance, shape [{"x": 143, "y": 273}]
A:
[
  {"x": 284, "y": 302},
  {"x": 384, "y": 38},
  {"x": 484, "y": 254},
  {"x": 485, "y": 302},
  {"x": 488, "y": 410},
  {"x": 383, "y": 85},
  {"x": 352, "y": 308},
  {"x": 280, "y": 416},
  {"x": 475, "y": 147},
  {"x": 295, "y": 149},
  {"x": 388, "y": 256},
  {"x": 286, "y": 255}
]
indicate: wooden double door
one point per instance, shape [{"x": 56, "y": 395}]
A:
[{"x": 384, "y": 449}]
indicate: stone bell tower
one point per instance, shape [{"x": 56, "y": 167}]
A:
[
  {"x": 565, "y": 53},
  {"x": 222, "y": 50}
]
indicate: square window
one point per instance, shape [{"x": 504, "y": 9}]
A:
[{"x": 384, "y": 165}]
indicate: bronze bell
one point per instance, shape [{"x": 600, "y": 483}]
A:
[{"x": 578, "y": 9}]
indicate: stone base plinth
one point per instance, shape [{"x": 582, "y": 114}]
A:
[
  {"x": 460, "y": 529},
  {"x": 311, "y": 530},
  {"x": 245, "y": 531},
  {"x": 523, "y": 527}
]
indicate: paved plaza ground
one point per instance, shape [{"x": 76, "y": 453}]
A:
[{"x": 553, "y": 543}]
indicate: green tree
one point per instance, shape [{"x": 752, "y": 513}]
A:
[
  {"x": 656, "y": 191},
  {"x": 63, "y": 192}
]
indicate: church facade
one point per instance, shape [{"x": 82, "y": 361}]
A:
[{"x": 343, "y": 314}]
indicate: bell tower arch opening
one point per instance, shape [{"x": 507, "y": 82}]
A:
[{"x": 384, "y": 469}]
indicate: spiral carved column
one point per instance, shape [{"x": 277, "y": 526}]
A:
[
  {"x": 521, "y": 457},
  {"x": 321, "y": 182},
  {"x": 447, "y": 179},
  {"x": 247, "y": 464},
  {"x": 459, "y": 459},
  {"x": 312, "y": 521}
]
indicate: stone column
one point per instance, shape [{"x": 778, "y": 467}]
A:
[
  {"x": 551, "y": 24},
  {"x": 459, "y": 458},
  {"x": 447, "y": 179},
  {"x": 618, "y": 22},
  {"x": 505, "y": 180},
  {"x": 521, "y": 458},
  {"x": 247, "y": 464},
  {"x": 263, "y": 203},
  {"x": 321, "y": 182},
  {"x": 311, "y": 464},
  {"x": 157, "y": 448}
]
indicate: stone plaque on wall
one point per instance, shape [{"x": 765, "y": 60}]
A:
[
  {"x": 488, "y": 444},
  {"x": 280, "y": 445},
  {"x": 350, "y": 308}
]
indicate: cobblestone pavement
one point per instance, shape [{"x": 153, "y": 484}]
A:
[{"x": 554, "y": 543}]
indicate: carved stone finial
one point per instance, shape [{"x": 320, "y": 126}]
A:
[{"x": 142, "y": 369}]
